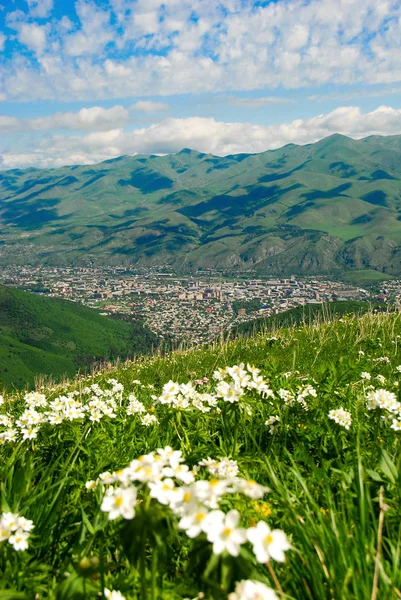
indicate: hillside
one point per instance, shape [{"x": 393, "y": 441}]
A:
[
  {"x": 48, "y": 336},
  {"x": 303, "y": 315},
  {"x": 270, "y": 466},
  {"x": 327, "y": 207}
]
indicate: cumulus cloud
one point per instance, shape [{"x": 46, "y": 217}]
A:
[
  {"x": 94, "y": 118},
  {"x": 40, "y": 8},
  {"x": 206, "y": 135},
  {"x": 127, "y": 48},
  {"x": 33, "y": 36},
  {"x": 149, "y": 106},
  {"x": 258, "y": 102}
]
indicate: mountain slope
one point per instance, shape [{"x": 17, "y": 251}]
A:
[
  {"x": 330, "y": 206},
  {"x": 41, "y": 335}
]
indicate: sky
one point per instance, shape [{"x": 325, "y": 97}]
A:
[{"x": 87, "y": 80}]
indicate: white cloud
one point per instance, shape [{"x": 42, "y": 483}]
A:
[
  {"x": 149, "y": 106},
  {"x": 33, "y": 36},
  {"x": 95, "y": 31},
  {"x": 2, "y": 41},
  {"x": 40, "y": 8},
  {"x": 206, "y": 135},
  {"x": 87, "y": 119},
  {"x": 152, "y": 46},
  {"x": 258, "y": 102}
]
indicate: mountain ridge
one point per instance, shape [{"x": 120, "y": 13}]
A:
[{"x": 326, "y": 207}]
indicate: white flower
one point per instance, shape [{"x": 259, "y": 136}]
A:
[
  {"x": 90, "y": 485},
  {"x": 1, "y": 399},
  {"x": 181, "y": 472},
  {"x": 250, "y": 488},
  {"x": 149, "y": 419},
  {"x": 135, "y": 406},
  {"x": 162, "y": 490},
  {"x": 120, "y": 502},
  {"x": 382, "y": 399},
  {"x": 33, "y": 399},
  {"x": 170, "y": 457},
  {"x": 222, "y": 531},
  {"x": 341, "y": 416},
  {"x": 396, "y": 425},
  {"x": 230, "y": 392},
  {"x": 29, "y": 433},
  {"x": 381, "y": 379},
  {"x": 252, "y": 590},
  {"x": 268, "y": 543},
  {"x": 398, "y": 368},
  {"x": 19, "y": 539},
  {"x": 10, "y": 521},
  {"x": 113, "y": 594},
  {"x": 25, "y": 524},
  {"x": 365, "y": 375},
  {"x": 210, "y": 492},
  {"x": 6, "y": 420},
  {"x": 193, "y": 522}
]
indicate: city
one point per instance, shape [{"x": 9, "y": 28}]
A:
[{"x": 191, "y": 309}]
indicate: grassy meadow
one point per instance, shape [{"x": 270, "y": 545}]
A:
[{"x": 264, "y": 467}]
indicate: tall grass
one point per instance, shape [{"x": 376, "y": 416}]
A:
[{"x": 334, "y": 492}]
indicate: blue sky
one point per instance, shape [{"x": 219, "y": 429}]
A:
[{"x": 82, "y": 81}]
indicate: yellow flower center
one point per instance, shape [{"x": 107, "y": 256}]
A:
[
  {"x": 268, "y": 539},
  {"x": 119, "y": 501}
]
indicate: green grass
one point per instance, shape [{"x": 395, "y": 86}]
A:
[
  {"x": 48, "y": 336},
  {"x": 365, "y": 276},
  {"x": 334, "y": 492},
  {"x": 304, "y": 315}
]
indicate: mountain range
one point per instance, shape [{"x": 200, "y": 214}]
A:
[{"x": 327, "y": 207}]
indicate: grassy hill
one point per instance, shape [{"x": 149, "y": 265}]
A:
[
  {"x": 305, "y": 451},
  {"x": 303, "y": 315},
  {"x": 328, "y": 207},
  {"x": 48, "y": 336}
]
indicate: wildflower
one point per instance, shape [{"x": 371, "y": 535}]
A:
[
  {"x": 135, "y": 406},
  {"x": 271, "y": 422},
  {"x": 341, "y": 416},
  {"x": 248, "y": 589},
  {"x": 33, "y": 399},
  {"x": 161, "y": 490},
  {"x": 1, "y": 399},
  {"x": 382, "y": 399},
  {"x": 120, "y": 502},
  {"x": 230, "y": 392},
  {"x": 90, "y": 485},
  {"x": 365, "y": 375},
  {"x": 19, "y": 540},
  {"x": 268, "y": 543},
  {"x": 250, "y": 488},
  {"x": 210, "y": 492},
  {"x": 398, "y": 368},
  {"x": 222, "y": 531},
  {"x": 193, "y": 522},
  {"x": 29, "y": 433},
  {"x": 113, "y": 594},
  {"x": 381, "y": 379},
  {"x": 396, "y": 425},
  {"x": 149, "y": 419}
]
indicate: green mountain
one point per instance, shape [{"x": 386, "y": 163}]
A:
[
  {"x": 48, "y": 336},
  {"x": 327, "y": 207}
]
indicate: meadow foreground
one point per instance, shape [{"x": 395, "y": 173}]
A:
[{"x": 261, "y": 468}]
